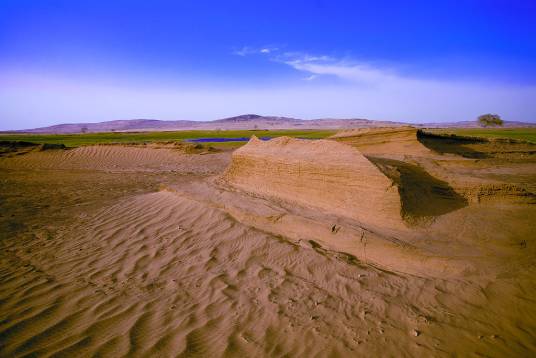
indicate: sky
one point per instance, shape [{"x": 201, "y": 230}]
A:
[{"x": 414, "y": 61}]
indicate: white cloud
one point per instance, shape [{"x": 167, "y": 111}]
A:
[
  {"x": 243, "y": 51},
  {"x": 247, "y": 50},
  {"x": 310, "y": 78},
  {"x": 343, "y": 69}
]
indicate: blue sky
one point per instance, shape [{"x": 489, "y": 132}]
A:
[{"x": 416, "y": 61}]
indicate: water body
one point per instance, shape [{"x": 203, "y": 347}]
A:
[{"x": 221, "y": 140}]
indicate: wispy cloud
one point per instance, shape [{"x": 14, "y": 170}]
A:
[
  {"x": 248, "y": 50},
  {"x": 344, "y": 69},
  {"x": 244, "y": 51},
  {"x": 322, "y": 65}
]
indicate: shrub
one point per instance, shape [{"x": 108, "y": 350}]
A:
[{"x": 489, "y": 119}]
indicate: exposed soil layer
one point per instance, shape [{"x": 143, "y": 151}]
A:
[{"x": 323, "y": 174}]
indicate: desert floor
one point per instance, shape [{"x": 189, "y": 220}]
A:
[{"x": 130, "y": 251}]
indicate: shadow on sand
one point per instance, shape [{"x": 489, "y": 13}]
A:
[
  {"x": 451, "y": 144},
  {"x": 422, "y": 195}
]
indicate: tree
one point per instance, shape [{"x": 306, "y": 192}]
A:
[
  {"x": 84, "y": 129},
  {"x": 489, "y": 119}
]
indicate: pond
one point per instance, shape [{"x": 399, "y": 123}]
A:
[{"x": 222, "y": 140}]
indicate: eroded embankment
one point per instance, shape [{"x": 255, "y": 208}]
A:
[
  {"x": 436, "y": 174},
  {"x": 330, "y": 193},
  {"x": 384, "y": 141},
  {"x": 476, "y": 147},
  {"x": 322, "y": 174}
]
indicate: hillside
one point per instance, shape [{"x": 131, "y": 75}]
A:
[{"x": 243, "y": 122}]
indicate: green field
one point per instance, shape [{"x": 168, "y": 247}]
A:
[
  {"x": 76, "y": 140},
  {"x": 526, "y": 134}
]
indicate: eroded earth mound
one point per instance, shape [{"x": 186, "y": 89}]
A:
[{"x": 321, "y": 173}]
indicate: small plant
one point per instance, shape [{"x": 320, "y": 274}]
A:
[{"x": 490, "y": 120}]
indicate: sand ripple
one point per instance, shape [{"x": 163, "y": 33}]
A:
[{"x": 162, "y": 275}]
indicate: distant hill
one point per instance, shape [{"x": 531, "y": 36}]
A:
[
  {"x": 255, "y": 117},
  {"x": 109, "y": 126},
  {"x": 246, "y": 121}
]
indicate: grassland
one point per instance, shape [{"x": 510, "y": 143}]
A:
[
  {"x": 76, "y": 140},
  {"x": 526, "y": 134}
]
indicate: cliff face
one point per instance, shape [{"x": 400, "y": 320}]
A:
[{"x": 323, "y": 174}]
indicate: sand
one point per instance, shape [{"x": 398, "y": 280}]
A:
[
  {"x": 120, "y": 158},
  {"x": 115, "y": 251}
]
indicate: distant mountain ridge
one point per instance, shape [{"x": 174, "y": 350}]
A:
[
  {"x": 254, "y": 117},
  {"x": 245, "y": 121}
]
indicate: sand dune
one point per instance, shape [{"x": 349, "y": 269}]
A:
[{"x": 112, "y": 251}]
